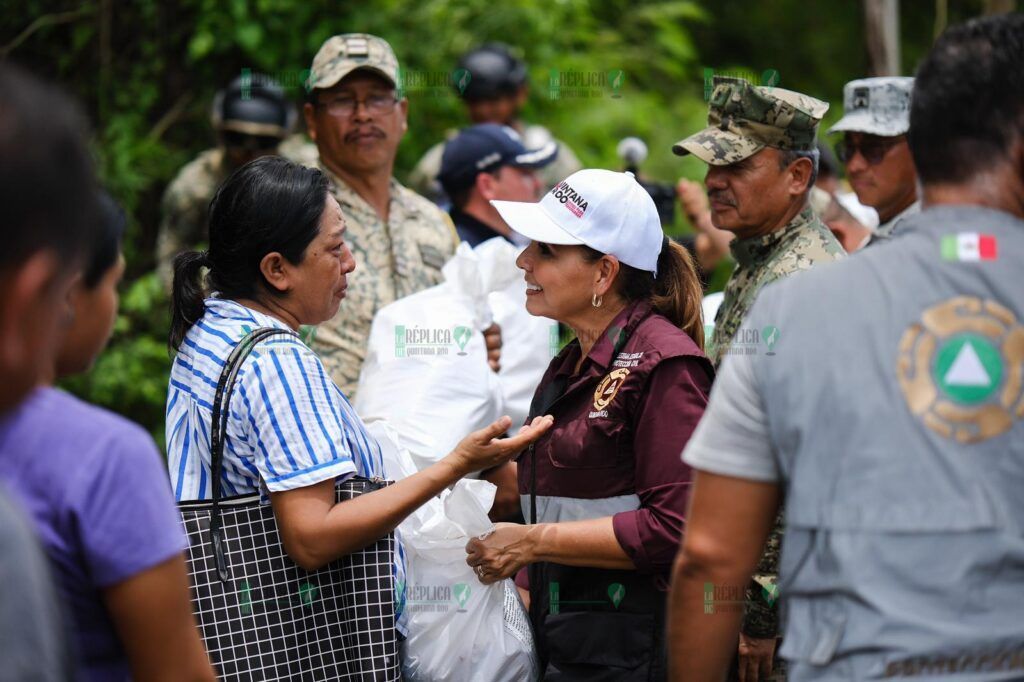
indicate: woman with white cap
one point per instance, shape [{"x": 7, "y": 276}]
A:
[{"x": 604, "y": 491}]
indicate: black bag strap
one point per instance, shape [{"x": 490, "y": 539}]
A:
[{"x": 221, "y": 403}]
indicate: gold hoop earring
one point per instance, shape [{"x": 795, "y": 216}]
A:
[{"x": 596, "y": 300}]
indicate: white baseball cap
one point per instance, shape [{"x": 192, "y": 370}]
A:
[{"x": 609, "y": 212}]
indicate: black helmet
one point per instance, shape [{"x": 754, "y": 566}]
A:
[
  {"x": 253, "y": 104},
  {"x": 493, "y": 71}
]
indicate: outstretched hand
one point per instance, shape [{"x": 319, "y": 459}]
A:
[{"x": 484, "y": 449}]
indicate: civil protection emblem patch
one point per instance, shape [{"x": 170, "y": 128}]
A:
[
  {"x": 961, "y": 369},
  {"x": 608, "y": 387}
]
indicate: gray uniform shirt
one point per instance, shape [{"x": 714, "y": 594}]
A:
[
  {"x": 894, "y": 418},
  {"x": 33, "y": 644},
  {"x": 885, "y": 230}
]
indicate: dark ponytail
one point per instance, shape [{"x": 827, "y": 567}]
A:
[
  {"x": 268, "y": 205},
  {"x": 187, "y": 295},
  {"x": 676, "y": 293}
]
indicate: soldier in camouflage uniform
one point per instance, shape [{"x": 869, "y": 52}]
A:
[
  {"x": 760, "y": 147},
  {"x": 875, "y": 150},
  {"x": 399, "y": 239},
  {"x": 495, "y": 91},
  {"x": 252, "y": 118}
]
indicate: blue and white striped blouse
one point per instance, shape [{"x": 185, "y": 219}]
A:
[{"x": 289, "y": 426}]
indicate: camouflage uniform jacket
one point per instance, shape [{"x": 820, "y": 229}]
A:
[
  {"x": 393, "y": 260},
  {"x": 185, "y": 205},
  {"x": 423, "y": 177},
  {"x": 800, "y": 245},
  {"x": 187, "y": 199}
]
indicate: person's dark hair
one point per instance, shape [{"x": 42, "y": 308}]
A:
[
  {"x": 676, "y": 293},
  {"x": 267, "y": 205},
  {"x": 460, "y": 197},
  {"x": 967, "y": 108},
  {"x": 47, "y": 183},
  {"x": 788, "y": 156},
  {"x": 107, "y": 247}
]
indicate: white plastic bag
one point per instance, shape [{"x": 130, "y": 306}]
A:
[
  {"x": 426, "y": 370},
  {"x": 459, "y": 629},
  {"x": 528, "y": 342}
]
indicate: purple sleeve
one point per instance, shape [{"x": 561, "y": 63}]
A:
[
  {"x": 671, "y": 407},
  {"x": 126, "y": 517}
]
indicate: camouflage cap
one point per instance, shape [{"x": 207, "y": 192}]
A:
[
  {"x": 743, "y": 119},
  {"x": 342, "y": 54},
  {"x": 876, "y": 106}
]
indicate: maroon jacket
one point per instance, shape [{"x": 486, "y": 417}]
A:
[{"x": 620, "y": 426}]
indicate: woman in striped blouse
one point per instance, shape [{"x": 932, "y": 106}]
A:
[{"x": 278, "y": 258}]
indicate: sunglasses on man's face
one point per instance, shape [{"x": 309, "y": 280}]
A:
[
  {"x": 872, "y": 148},
  {"x": 238, "y": 140}
]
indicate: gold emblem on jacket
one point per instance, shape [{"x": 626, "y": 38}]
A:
[
  {"x": 960, "y": 369},
  {"x": 608, "y": 387}
]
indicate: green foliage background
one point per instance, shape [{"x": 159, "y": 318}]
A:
[{"x": 146, "y": 72}]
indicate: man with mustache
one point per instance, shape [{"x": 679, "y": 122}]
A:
[
  {"x": 762, "y": 161},
  {"x": 875, "y": 150},
  {"x": 890, "y": 418},
  {"x": 399, "y": 239}
]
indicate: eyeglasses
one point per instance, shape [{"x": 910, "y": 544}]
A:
[
  {"x": 343, "y": 107},
  {"x": 873, "y": 149},
  {"x": 237, "y": 140}
]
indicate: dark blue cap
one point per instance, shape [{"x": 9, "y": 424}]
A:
[{"x": 484, "y": 148}]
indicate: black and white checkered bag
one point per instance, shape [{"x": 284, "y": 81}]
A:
[{"x": 261, "y": 616}]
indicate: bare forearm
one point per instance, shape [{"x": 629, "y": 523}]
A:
[
  {"x": 702, "y": 634},
  {"x": 315, "y": 530},
  {"x": 589, "y": 543},
  {"x": 163, "y": 649},
  {"x": 337, "y": 530},
  {"x": 727, "y": 523}
]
